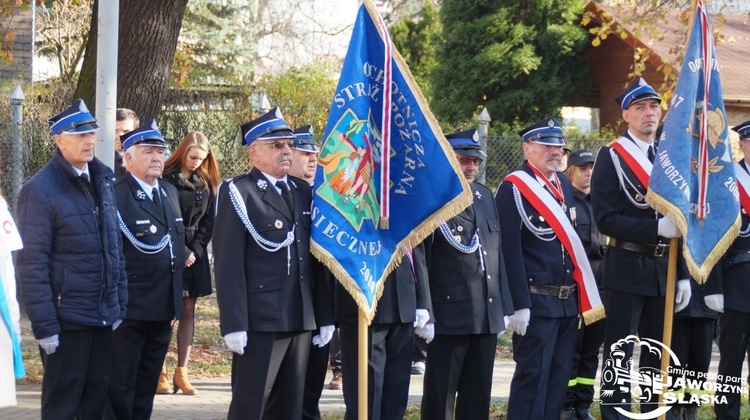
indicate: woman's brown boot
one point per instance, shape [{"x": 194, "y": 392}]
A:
[
  {"x": 182, "y": 382},
  {"x": 163, "y": 386}
]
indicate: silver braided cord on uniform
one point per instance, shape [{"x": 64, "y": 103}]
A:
[
  {"x": 239, "y": 207},
  {"x": 458, "y": 246},
  {"x": 623, "y": 179},
  {"x": 745, "y": 233},
  {"x": 143, "y": 247},
  {"x": 538, "y": 232},
  {"x": 473, "y": 246}
]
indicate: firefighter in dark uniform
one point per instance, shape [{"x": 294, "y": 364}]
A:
[
  {"x": 470, "y": 297},
  {"x": 540, "y": 276},
  {"x": 264, "y": 275},
  {"x": 404, "y": 302},
  {"x": 728, "y": 291},
  {"x": 589, "y": 338},
  {"x": 153, "y": 239},
  {"x": 305, "y": 161},
  {"x": 635, "y": 267}
]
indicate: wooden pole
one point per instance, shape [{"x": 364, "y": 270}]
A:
[
  {"x": 362, "y": 363},
  {"x": 668, "y": 312}
]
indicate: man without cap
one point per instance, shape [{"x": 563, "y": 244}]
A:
[
  {"x": 265, "y": 275},
  {"x": 635, "y": 267},
  {"x": 470, "y": 297},
  {"x": 589, "y": 338},
  {"x": 728, "y": 292},
  {"x": 304, "y": 163},
  {"x": 126, "y": 120},
  {"x": 540, "y": 272},
  {"x": 71, "y": 269},
  {"x": 153, "y": 239}
]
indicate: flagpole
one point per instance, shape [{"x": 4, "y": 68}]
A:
[
  {"x": 668, "y": 312},
  {"x": 362, "y": 359}
]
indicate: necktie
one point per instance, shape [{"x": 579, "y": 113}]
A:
[
  {"x": 84, "y": 176},
  {"x": 286, "y": 194},
  {"x": 651, "y": 154},
  {"x": 155, "y": 197}
]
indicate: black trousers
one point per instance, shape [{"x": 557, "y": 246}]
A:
[
  {"x": 543, "y": 363},
  {"x": 317, "y": 366},
  {"x": 626, "y": 315},
  {"x": 585, "y": 364},
  {"x": 733, "y": 340},
  {"x": 420, "y": 350},
  {"x": 389, "y": 369},
  {"x": 76, "y": 375},
  {"x": 336, "y": 351},
  {"x": 139, "y": 348},
  {"x": 463, "y": 365},
  {"x": 691, "y": 343},
  {"x": 268, "y": 381}
]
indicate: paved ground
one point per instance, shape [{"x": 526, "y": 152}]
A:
[{"x": 212, "y": 401}]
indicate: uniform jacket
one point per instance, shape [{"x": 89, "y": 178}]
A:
[
  {"x": 533, "y": 261},
  {"x": 465, "y": 298},
  {"x": 259, "y": 290},
  {"x": 71, "y": 267},
  {"x": 403, "y": 294},
  {"x": 154, "y": 280},
  {"x": 731, "y": 275},
  {"x": 197, "y": 210},
  {"x": 593, "y": 241},
  {"x": 624, "y": 270}
]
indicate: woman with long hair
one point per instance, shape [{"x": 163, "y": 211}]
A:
[{"x": 193, "y": 170}]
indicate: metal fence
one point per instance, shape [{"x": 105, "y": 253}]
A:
[{"x": 222, "y": 128}]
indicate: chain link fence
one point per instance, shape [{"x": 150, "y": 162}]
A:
[{"x": 219, "y": 121}]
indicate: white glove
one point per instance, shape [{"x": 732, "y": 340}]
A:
[
  {"x": 236, "y": 341},
  {"x": 49, "y": 344},
  {"x": 427, "y": 332},
  {"x": 715, "y": 302},
  {"x": 520, "y": 320},
  {"x": 423, "y": 316},
  {"x": 668, "y": 229},
  {"x": 325, "y": 336},
  {"x": 116, "y": 324},
  {"x": 682, "y": 295}
]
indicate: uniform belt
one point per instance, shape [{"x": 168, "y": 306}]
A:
[
  {"x": 656, "y": 250},
  {"x": 561, "y": 292}
]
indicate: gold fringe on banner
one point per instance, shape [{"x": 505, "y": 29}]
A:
[{"x": 698, "y": 272}]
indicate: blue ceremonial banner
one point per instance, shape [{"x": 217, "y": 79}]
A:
[
  {"x": 385, "y": 180},
  {"x": 693, "y": 179}
]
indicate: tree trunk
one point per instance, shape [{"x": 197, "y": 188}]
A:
[{"x": 148, "y": 39}]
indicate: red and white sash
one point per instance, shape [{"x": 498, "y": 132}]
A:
[
  {"x": 634, "y": 159},
  {"x": 743, "y": 182},
  {"x": 590, "y": 303}
]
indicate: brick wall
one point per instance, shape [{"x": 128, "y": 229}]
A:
[{"x": 23, "y": 47}]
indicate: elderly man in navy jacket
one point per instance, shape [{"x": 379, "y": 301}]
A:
[
  {"x": 71, "y": 268},
  {"x": 154, "y": 246}
]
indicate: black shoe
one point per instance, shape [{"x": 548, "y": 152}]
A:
[
  {"x": 584, "y": 414},
  {"x": 568, "y": 413}
]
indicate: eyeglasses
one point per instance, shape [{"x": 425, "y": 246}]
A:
[
  {"x": 468, "y": 161},
  {"x": 279, "y": 144}
]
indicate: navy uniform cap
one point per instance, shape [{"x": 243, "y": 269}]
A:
[
  {"x": 743, "y": 130},
  {"x": 547, "y": 131},
  {"x": 269, "y": 126},
  {"x": 304, "y": 139},
  {"x": 581, "y": 157},
  {"x": 467, "y": 143},
  {"x": 638, "y": 91},
  {"x": 75, "y": 120},
  {"x": 145, "y": 135}
]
